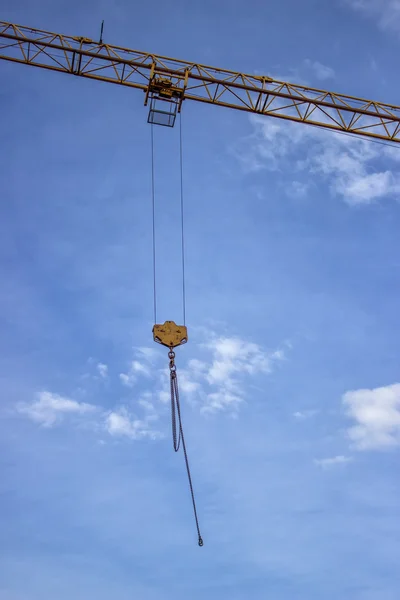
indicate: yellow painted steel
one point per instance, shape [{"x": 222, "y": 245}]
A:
[
  {"x": 170, "y": 334},
  {"x": 182, "y": 80}
]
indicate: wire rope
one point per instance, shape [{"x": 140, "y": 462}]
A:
[
  {"x": 182, "y": 222},
  {"x": 153, "y": 203}
]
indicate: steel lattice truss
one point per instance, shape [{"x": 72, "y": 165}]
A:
[{"x": 256, "y": 94}]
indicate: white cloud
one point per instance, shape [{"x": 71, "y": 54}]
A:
[
  {"x": 223, "y": 399},
  {"x": 304, "y": 414},
  {"x": 126, "y": 379},
  {"x": 147, "y": 353},
  {"x": 304, "y": 73},
  {"x": 365, "y": 188},
  {"x": 136, "y": 369},
  {"x": 165, "y": 395},
  {"x": 187, "y": 384},
  {"x": 322, "y": 72},
  {"x": 146, "y": 402},
  {"x": 350, "y": 165},
  {"x": 376, "y": 413},
  {"x": 103, "y": 370},
  {"x": 50, "y": 408},
  {"x": 121, "y": 423},
  {"x": 326, "y": 463},
  {"x": 216, "y": 381},
  {"x": 197, "y": 366},
  {"x": 142, "y": 365},
  {"x": 269, "y": 144},
  {"x": 233, "y": 355},
  {"x": 297, "y": 189},
  {"x": 141, "y": 368},
  {"x": 219, "y": 380},
  {"x": 385, "y": 12}
]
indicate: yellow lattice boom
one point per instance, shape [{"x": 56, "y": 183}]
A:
[{"x": 181, "y": 80}]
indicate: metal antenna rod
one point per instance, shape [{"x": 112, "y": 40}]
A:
[{"x": 101, "y": 32}]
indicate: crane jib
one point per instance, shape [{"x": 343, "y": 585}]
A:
[{"x": 172, "y": 81}]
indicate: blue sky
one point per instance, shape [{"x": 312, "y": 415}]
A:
[{"x": 289, "y": 381}]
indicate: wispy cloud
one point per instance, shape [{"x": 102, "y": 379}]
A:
[
  {"x": 121, "y": 423},
  {"x": 297, "y": 189},
  {"x": 377, "y": 416},
  {"x": 351, "y": 166},
  {"x": 139, "y": 367},
  {"x": 48, "y": 408},
  {"x": 326, "y": 463},
  {"x": 322, "y": 72},
  {"x": 304, "y": 414},
  {"x": 219, "y": 380},
  {"x": 103, "y": 370},
  {"x": 305, "y": 73},
  {"x": 385, "y": 12}
]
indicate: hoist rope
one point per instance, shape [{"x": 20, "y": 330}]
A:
[
  {"x": 177, "y": 438},
  {"x": 153, "y": 202},
  {"x": 182, "y": 223}
]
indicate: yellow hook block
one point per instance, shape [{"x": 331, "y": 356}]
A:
[{"x": 170, "y": 334}]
